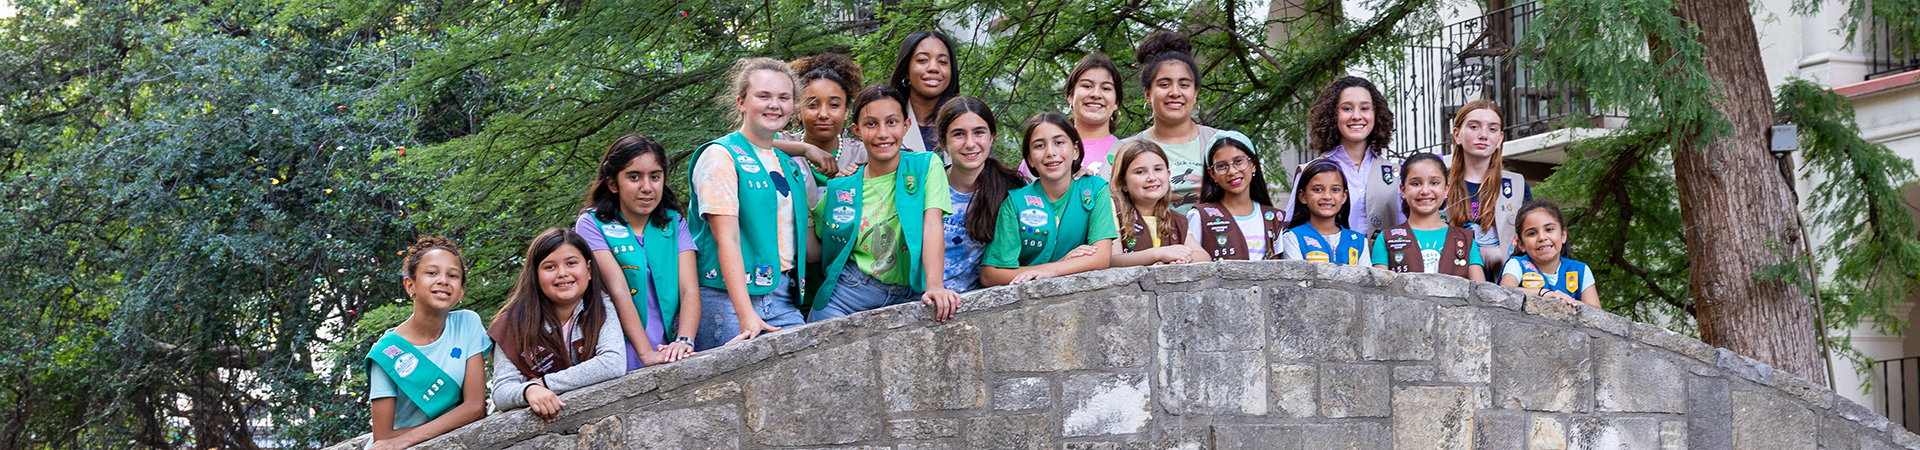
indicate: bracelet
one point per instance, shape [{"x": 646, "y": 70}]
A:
[{"x": 682, "y": 340}]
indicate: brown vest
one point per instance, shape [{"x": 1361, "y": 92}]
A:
[
  {"x": 1220, "y": 235},
  {"x": 1142, "y": 238},
  {"x": 1403, "y": 251}
]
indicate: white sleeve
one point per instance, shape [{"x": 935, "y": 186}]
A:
[
  {"x": 1193, "y": 226},
  {"x": 1290, "y": 247},
  {"x": 1509, "y": 269}
]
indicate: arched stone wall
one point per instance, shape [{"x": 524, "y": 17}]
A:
[{"x": 1261, "y": 355}]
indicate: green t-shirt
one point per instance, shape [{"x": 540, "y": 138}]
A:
[
  {"x": 1430, "y": 243},
  {"x": 1186, "y": 171},
  {"x": 1004, "y": 251},
  {"x": 880, "y": 225}
]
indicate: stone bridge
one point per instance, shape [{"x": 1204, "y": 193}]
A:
[{"x": 1262, "y": 355}]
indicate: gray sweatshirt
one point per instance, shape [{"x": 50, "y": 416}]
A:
[{"x": 609, "y": 361}]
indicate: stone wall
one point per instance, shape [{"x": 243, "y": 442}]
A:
[{"x": 1266, "y": 355}]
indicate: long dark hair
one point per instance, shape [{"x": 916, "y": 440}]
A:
[
  {"x": 1160, "y": 48},
  {"x": 996, "y": 179},
  {"x": 605, "y": 205},
  {"x": 1411, "y": 160},
  {"x": 876, "y": 93},
  {"x": 1314, "y": 168},
  {"x": 1100, "y": 61},
  {"x": 1211, "y": 192},
  {"x": 904, "y": 60},
  {"x": 1058, "y": 120},
  {"x": 1541, "y": 205},
  {"x": 528, "y": 315},
  {"x": 1324, "y": 116}
]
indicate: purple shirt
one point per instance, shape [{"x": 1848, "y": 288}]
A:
[{"x": 656, "y": 328}]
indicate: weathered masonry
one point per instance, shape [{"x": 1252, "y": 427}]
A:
[{"x": 1264, "y": 355}]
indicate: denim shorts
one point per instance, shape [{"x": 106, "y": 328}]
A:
[
  {"x": 857, "y": 291},
  {"x": 718, "y": 324}
]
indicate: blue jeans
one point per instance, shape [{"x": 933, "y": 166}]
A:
[
  {"x": 719, "y": 324},
  {"x": 857, "y": 291}
]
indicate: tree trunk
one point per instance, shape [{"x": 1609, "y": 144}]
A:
[{"x": 1737, "y": 208}]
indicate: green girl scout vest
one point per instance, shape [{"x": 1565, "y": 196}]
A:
[
  {"x": 1313, "y": 246},
  {"x": 659, "y": 261},
  {"x": 759, "y": 221},
  {"x": 1044, "y": 238},
  {"x": 843, "y": 209},
  {"x": 421, "y": 382}
]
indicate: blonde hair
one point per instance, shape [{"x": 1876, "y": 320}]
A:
[
  {"x": 740, "y": 78},
  {"x": 1457, "y": 203},
  {"x": 1162, "y": 209}
]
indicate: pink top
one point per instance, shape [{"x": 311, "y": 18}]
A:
[{"x": 1099, "y": 157}]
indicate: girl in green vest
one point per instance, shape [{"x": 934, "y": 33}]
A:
[
  {"x": 1143, "y": 209},
  {"x": 746, "y": 214},
  {"x": 979, "y": 185},
  {"x": 554, "y": 332},
  {"x": 427, "y": 373},
  {"x": 1484, "y": 197},
  {"x": 881, "y": 225},
  {"x": 1425, "y": 243},
  {"x": 644, "y": 251},
  {"x": 1236, "y": 218},
  {"x": 1043, "y": 226}
]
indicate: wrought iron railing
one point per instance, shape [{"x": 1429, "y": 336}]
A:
[
  {"x": 1899, "y": 389},
  {"x": 1470, "y": 60},
  {"x": 861, "y": 16},
  {"x": 1891, "y": 48}
]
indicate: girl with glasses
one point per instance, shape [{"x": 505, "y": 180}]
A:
[{"x": 1235, "y": 218}]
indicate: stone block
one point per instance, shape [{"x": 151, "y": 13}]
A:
[
  {"x": 1872, "y": 443},
  {"x": 1627, "y": 433},
  {"x": 544, "y": 442},
  {"x": 1463, "y": 350},
  {"x": 1291, "y": 390},
  {"x": 1604, "y": 321},
  {"x": 1219, "y": 382},
  {"x": 607, "y": 434},
  {"x": 1030, "y": 432},
  {"x": 510, "y": 426},
  {"x": 1851, "y": 411},
  {"x": 929, "y": 446},
  {"x": 1675, "y": 342},
  {"x": 601, "y": 394},
  {"x": 1673, "y": 435},
  {"x": 989, "y": 298},
  {"x": 1121, "y": 334},
  {"x": 821, "y": 380},
  {"x": 1413, "y": 374},
  {"x": 711, "y": 363},
  {"x": 714, "y": 426},
  {"x": 1016, "y": 394},
  {"x": 1742, "y": 366},
  {"x": 1497, "y": 296},
  {"x": 1436, "y": 286},
  {"x": 1351, "y": 390},
  {"x": 923, "y": 429},
  {"x": 1814, "y": 394},
  {"x": 1183, "y": 273},
  {"x": 1213, "y": 320},
  {"x": 1547, "y": 434},
  {"x": 1032, "y": 339},
  {"x": 933, "y": 368},
  {"x": 1551, "y": 309},
  {"x": 720, "y": 391},
  {"x": 1361, "y": 276},
  {"x": 797, "y": 338},
  {"x": 1709, "y": 414},
  {"x": 1103, "y": 404},
  {"x": 1629, "y": 377},
  {"x": 1396, "y": 329},
  {"x": 1766, "y": 421},
  {"x": 892, "y": 317},
  {"x": 1310, "y": 436},
  {"x": 1835, "y": 433},
  {"x": 1082, "y": 282},
  {"x": 1541, "y": 368},
  {"x": 1312, "y": 325},
  {"x": 1433, "y": 417},
  {"x": 1265, "y": 270},
  {"x": 1500, "y": 429}
]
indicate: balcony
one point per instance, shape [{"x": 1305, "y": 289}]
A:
[{"x": 1890, "y": 49}]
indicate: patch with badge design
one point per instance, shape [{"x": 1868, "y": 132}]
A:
[
  {"x": 842, "y": 215},
  {"x": 713, "y": 274},
  {"x": 1269, "y": 215},
  {"x": 1318, "y": 256},
  {"x": 391, "y": 351},
  {"x": 763, "y": 275},
  {"x": 405, "y": 364},
  {"x": 455, "y": 353},
  {"x": 912, "y": 185},
  {"x": 616, "y": 231},
  {"x": 1399, "y": 258},
  {"x": 1222, "y": 240},
  {"x": 1353, "y": 256},
  {"x": 1397, "y": 232},
  {"x": 844, "y": 196},
  {"x": 1386, "y": 173},
  {"x": 1086, "y": 197},
  {"x": 1034, "y": 201},
  {"x": 1532, "y": 280},
  {"x": 1315, "y": 243},
  {"x": 1033, "y": 217},
  {"x": 1573, "y": 280},
  {"x": 1506, "y": 188}
]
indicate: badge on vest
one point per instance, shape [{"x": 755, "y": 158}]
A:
[
  {"x": 1086, "y": 197},
  {"x": 844, "y": 196},
  {"x": 1532, "y": 280},
  {"x": 747, "y": 163},
  {"x": 1386, "y": 173},
  {"x": 713, "y": 274},
  {"x": 763, "y": 275},
  {"x": 405, "y": 364},
  {"x": 616, "y": 231},
  {"x": 1573, "y": 281},
  {"x": 1353, "y": 256},
  {"x": 1222, "y": 239},
  {"x": 1506, "y": 188},
  {"x": 1033, "y": 218},
  {"x": 1315, "y": 243},
  {"x": 842, "y": 215},
  {"x": 1269, "y": 215},
  {"x": 1034, "y": 201},
  {"x": 912, "y": 187},
  {"x": 1318, "y": 256}
]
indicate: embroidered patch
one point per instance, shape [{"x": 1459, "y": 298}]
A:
[
  {"x": 713, "y": 274},
  {"x": 1315, "y": 243},
  {"x": 615, "y": 231},
  {"x": 1318, "y": 256},
  {"x": 405, "y": 364},
  {"x": 1353, "y": 255},
  {"x": 912, "y": 186},
  {"x": 842, "y": 215},
  {"x": 1573, "y": 280},
  {"x": 1033, "y": 217},
  {"x": 844, "y": 196},
  {"x": 1532, "y": 280},
  {"x": 1269, "y": 215},
  {"x": 391, "y": 351},
  {"x": 1386, "y": 173},
  {"x": 1086, "y": 197},
  {"x": 1222, "y": 240},
  {"x": 1506, "y": 188},
  {"x": 1211, "y": 211},
  {"x": 1459, "y": 262},
  {"x": 1034, "y": 201},
  {"x": 763, "y": 275},
  {"x": 1399, "y": 258},
  {"x": 1397, "y": 232}
]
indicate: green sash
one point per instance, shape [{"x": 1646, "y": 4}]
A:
[
  {"x": 844, "y": 206},
  {"x": 417, "y": 376},
  {"x": 759, "y": 220},
  {"x": 1043, "y": 238},
  {"x": 660, "y": 262}
]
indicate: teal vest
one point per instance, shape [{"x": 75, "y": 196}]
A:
[
  {"x": 659, "y": 262},
  {"x": 1044, "y": 238},
  {"x": 1568, "y": 279},
  {"x": 1314, "y": 247},
  {"x": 420, "y": 381},
  {"x": 759, "y": 220},
  {"x": 843, "y": 208}
]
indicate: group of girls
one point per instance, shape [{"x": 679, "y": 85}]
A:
[{"x": 913, "y": 206}]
